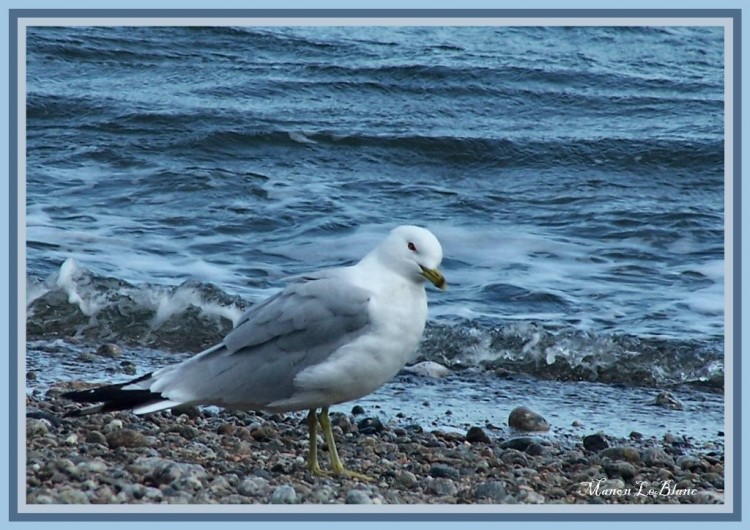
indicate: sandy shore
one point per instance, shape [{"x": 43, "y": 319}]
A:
[{"x": 204, "y": 457}]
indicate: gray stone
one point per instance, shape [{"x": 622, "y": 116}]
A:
[
  {"x": 94, "y": 466},
  {"x": 492, "y": 489},
  {"x": 513, "y": 457},
  {"x": 714, "y": 479},
  {"x": 519, "y": 443},
  {"x": 708, "y": 497},
  {"x": 357, "y": 497},
  {"x": 110, "y": 351},
  {"x": 535, "y": 449},
  {"x": 406, "y": 479},
  {"x": 667, "y": 400},
  {"x": 284, "y": 494},
  {"x": 72, "y": 496},
  {"x": 35, "y": 428},
  {"x": 442, "y": 486},
  {"x": 530, "y": 497},
  {"x": 253, "y": 487},
  {"x": 654, "y": 456},
  {"x": 624, "y": 470},
  {"x": 690, "y": 463},
  {"x": 444, "y": 471},
  {"x": 159, "y": 471}
]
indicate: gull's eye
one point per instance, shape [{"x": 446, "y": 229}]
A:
[{"x": 412, "y": 246}]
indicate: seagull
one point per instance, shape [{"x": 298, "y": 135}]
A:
[{"x": 329, "y": 337}]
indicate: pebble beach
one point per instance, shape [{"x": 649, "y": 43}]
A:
[{"x": 215, "y": 456}]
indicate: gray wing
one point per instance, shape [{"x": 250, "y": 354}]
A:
[{"x": 271, "y": 343}]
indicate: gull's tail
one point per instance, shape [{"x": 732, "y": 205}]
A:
[{"x": 130, "y": 395}]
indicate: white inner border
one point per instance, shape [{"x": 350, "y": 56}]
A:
[{"x": 727, "y": 507}]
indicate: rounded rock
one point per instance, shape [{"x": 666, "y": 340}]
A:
[
  {"x": 667, "y": 400},
  {"x": 36, "y": 428},
  {"x": 444, "y": 471},
  {"x": 690, "y": 463},
  {"x": 525, "y": 419},
  {"x": 253, "y": 487},
  {"x": 284, "y": 494},
  {"x": 621, "y": 453},
  {"x": 513, "y": 457},
  {"x": 493, "y": 490},
  {"x": 110, "y": 351},
  {"x": 406, "y": 479},
  {"x": 442, "y": 487},
  {"x": 477, "y": 435},
  {"x": 624, "y": 470},
  {"x": 370, "y": 426},
  {"x": 654, "y": 456},
  {"x": 126, "y": 438},
  {"x": 519, "y": 443},
  {"x": 535, "y": 449},
  {"x": 595, "y": 442},
  {"x": 95, "y": 437},
  {"x": 357, "y": 497}
]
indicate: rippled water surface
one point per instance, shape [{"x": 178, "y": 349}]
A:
[{"x": 573, "y": 175}]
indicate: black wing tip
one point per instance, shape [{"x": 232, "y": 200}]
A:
[{"x": 111, "y": 397}]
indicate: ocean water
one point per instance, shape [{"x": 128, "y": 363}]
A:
[{"x": 574, "y": 175}]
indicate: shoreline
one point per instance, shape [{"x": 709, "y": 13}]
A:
[{"x": 199, "y": 456}]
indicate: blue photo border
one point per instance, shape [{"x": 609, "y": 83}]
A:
[{"x": 16, "y": 15}]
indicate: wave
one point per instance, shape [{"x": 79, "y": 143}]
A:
[{"x": 79, "y": 306}]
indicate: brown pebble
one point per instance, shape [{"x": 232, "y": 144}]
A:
[
  {"x": 110, "y": 351},
  {"x": 621, "y": 453},
  {"x": 477, "y": 435},
  {"x": 227, "y": 429},
  {"x": 95, "y": 437},
  {"x": 126, "y": 438},
  {"x": 263, "y": 434}
]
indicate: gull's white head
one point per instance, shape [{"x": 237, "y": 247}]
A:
[{"x": 414, "y": 252}]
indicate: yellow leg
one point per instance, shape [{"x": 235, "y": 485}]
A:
[
  {"x": 336, "y": 466},
  {"x": 312, "y": 460}
]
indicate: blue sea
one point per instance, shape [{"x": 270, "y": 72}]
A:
[{"x": 574, "y": 176}]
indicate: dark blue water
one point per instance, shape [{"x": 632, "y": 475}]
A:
[{"x": 575, "y": 177}]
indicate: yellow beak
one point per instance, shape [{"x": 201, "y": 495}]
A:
[{"x": 435, "y": 277}]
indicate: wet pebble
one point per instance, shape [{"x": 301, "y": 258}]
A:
[
  {"x": 477, "y": 435},
  {"x": 667, "y": 400},
  {"x": 428, "y": 369},
  {"x": 519, "y": 443},
  {"x": 370, "y": 426},
  {"x": 595, "y": 442},
  {"x": 110, "y": 351},
  {"x": 214, "y": 458},
  {"x": 525, "y": 419}
]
